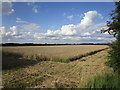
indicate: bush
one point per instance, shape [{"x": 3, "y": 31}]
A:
[{"x": 114, "y": 56}]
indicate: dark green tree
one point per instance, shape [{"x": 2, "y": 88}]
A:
[{"x": 114, "y": 29}]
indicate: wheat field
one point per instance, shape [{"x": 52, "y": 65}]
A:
[{"x": 54, "y": 52}]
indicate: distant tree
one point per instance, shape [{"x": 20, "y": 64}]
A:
[{"x": 114, "y": 29}]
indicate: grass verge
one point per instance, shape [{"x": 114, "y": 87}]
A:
[{"x": 106, "y": 80}]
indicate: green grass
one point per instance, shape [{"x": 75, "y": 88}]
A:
[
  {"x": 62, "y": 60},
  {"x": 106, "y": 80}
]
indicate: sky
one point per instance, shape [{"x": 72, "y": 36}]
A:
[{"x": 55, "y": 22}]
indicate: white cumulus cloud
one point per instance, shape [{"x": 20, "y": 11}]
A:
[
  {"x": 90, "y": 17},
  {"x": 85, "y": 31},
  {"x": 84, "y": 26},
  {"x": 21, "y": 32}
]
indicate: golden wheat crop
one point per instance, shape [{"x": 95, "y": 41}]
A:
[{"x": 54, "y": 52}]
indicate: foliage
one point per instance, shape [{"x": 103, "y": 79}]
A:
[
  {"x": 114, "y": 29},
  {"x": 114, "y": 57}
]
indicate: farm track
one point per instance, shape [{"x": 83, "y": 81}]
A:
[{"x": 51, "y": 74}]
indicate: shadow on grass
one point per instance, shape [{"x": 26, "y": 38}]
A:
[{"x": 15, "y": 60}]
